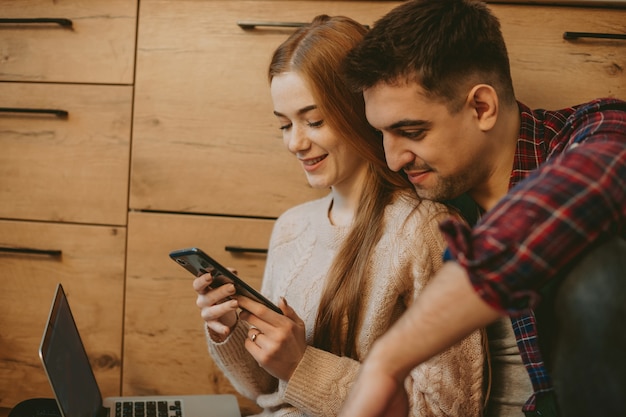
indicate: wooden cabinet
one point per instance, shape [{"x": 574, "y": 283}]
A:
[
  {"x": 70, "y": 166},
  {"x": 204, "y": 138},
  {"x": 165, "y": 350},
  {"x": 65, "y": 121},
  {"x": 89, "y": 261},
  {"x": 552, "y": 72},
  {"x": 76, "y": 41}
]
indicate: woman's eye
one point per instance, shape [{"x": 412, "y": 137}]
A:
[
  {"x": 316, "y": 124},
  {"x": 285, "y": 126}
]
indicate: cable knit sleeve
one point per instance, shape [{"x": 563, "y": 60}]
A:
[
  {"x": 407, "y": 255},
  {"x": 450, "y": 383},
  {"x": 321, "y": 382},
  {"x": 238, "y": 365}
]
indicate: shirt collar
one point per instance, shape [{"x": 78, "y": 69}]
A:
[{"x": 531, "y": 147}]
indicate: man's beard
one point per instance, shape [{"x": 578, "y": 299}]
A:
[{"x": 445, "y": 189}]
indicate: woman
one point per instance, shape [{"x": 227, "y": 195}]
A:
[{"x": 350, "y": 263}]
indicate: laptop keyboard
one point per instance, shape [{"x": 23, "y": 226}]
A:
[{"x": 148, "y": 409}]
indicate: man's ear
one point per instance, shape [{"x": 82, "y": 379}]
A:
[{"x": 484, "y": 100}]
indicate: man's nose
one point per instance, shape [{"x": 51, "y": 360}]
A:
[{"x": 396, "y": 154}]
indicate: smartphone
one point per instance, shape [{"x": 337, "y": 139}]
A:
[{"x": 197, "y": 262}]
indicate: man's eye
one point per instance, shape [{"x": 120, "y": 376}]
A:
[
  {"x": 285, "y": 127},
  {"x": 316, "y": 124},
  {"x": 412, "y": 134}
]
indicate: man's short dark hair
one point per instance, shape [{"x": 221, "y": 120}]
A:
[{"x": 444, "y": 45}]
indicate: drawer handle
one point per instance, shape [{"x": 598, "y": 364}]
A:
[
  {"x": 239, "y": 249},
  {"x": 67, "y": 23},
  {"x": 29, "y": 251},
  {"x": 62, "y": 114},
  {"x": 578, "y": 35},
  {"x": 247, "y": 24}
]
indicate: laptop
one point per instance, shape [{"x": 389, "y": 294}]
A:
[{"x": 77, "y": 393}]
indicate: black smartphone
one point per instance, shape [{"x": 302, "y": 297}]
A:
[{"x": 197, "y": 262}]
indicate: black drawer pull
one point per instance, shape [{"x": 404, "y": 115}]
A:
[
  {"x": 578, "y": 35},
  {"x": 239, "y": 249},
  {"x": 62, "y": 114},
  {"x": 29, "y": 251},
  {"x": 248, "y": 24},
  {"x": 67, "y": 23}
]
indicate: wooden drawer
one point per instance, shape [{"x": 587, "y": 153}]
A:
[
  {"x": 70, "y": 169},
  {"x": 205, "y": 139},
  {"x": 91, "y": 269},
  {"x": 551, "y": 72},
  {"x": 98, "y": 47},
  {"x": 165, "y": 349}
]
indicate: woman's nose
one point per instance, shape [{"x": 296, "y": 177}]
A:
[{"x": 297, "y": 140}]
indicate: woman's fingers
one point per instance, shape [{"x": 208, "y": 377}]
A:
[
  {"x": 276, "y": 341},
  {"x": 289, "y": 312},
  {"x": 215, "y": 296},
  {"x": 217, "y": 311},
  {"x": 217, "y": 307},
  {"x": 201, "y": 284}
]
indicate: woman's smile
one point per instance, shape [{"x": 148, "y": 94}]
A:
[{"x": 311, "y": 164}]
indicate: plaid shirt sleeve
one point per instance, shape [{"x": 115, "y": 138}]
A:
[
  {"x": 552, "y": 218},
  {"x": 568, "y": 194}
]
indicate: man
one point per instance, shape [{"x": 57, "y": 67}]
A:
[{"x": 549, "y": 250}]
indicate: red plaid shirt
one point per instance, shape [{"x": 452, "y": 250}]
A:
[{"x": 567, "y": 194}]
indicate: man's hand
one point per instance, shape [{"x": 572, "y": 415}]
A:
[
  {"x": 376, "y": 394},
  {"x": 447, "y": 311}
]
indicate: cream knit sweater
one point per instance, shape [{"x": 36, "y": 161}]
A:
[{"x": 302, "y": 247}]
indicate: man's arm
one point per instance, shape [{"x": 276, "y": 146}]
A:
[{"x": 447, "y": 311}]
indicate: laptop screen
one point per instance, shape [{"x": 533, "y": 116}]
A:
[{"x": 66, "y": 363}]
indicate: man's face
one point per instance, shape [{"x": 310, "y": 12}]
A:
[{"x": 439, "y": 152}]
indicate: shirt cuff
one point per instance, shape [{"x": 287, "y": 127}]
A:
[{"x": 479, "y": 267}]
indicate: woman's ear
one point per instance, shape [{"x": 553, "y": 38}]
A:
[{"x": 484, "y": 100}]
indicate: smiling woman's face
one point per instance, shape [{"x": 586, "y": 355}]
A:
[{"x": 327, "y": 160}]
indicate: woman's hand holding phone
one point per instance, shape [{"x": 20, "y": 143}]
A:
[
  {"x": 276, "y": 338},
  {"x": 217, "y": 307},
  {"x": 276, "y": 341}
]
